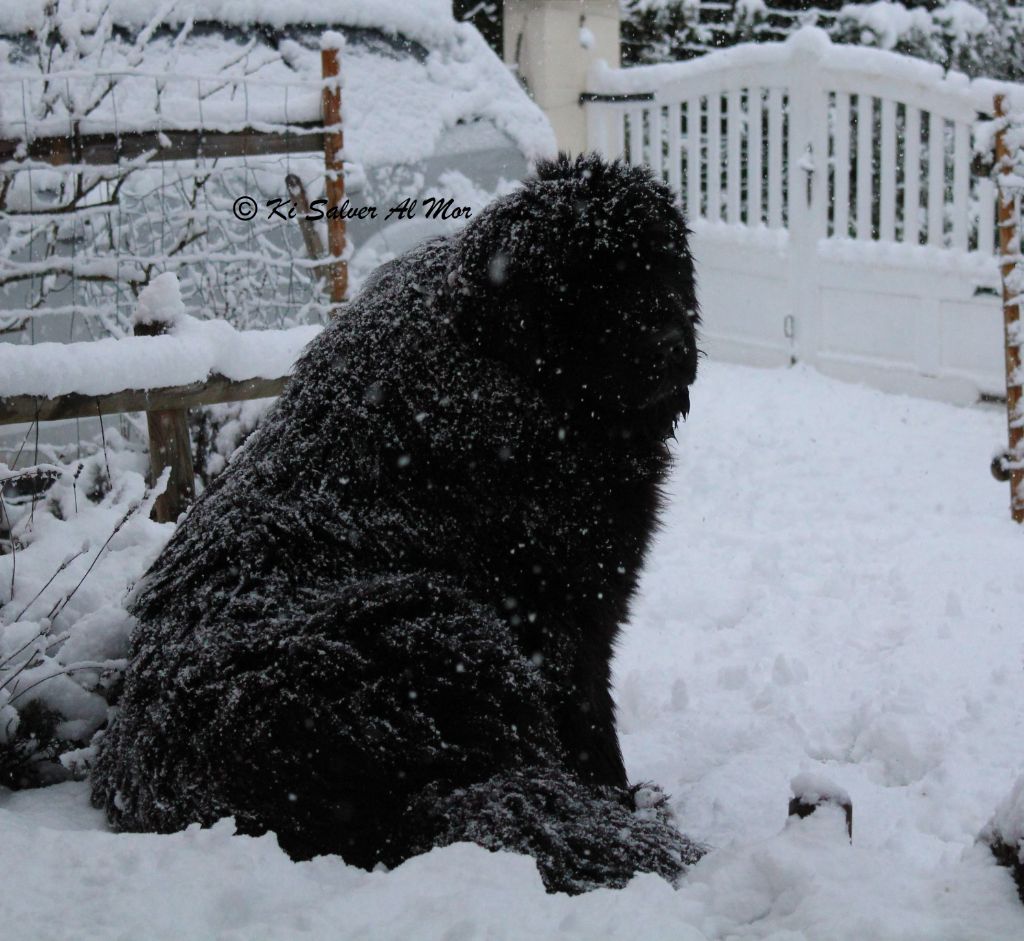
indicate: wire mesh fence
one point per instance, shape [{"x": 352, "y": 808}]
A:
[{"x": 109, "y": 178}]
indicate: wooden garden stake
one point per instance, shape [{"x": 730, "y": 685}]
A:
[
  {"x": 330, "y": 46},
  {"x": 800, "y": 809},
  {"x": 169, "y": 446},
  {"x": 1010, "y": 255},
  {"x": 810, "y": 793},
  {"x": 314, "y": 247}
]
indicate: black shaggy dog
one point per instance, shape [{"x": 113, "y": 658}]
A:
[{"x": 388, "y": 625}]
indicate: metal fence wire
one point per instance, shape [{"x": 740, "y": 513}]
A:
[{"x": 107, "y": 179}]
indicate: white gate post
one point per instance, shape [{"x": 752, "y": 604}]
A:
[
  {"x": 552, "y": 44},
  {"x": 598, "y": 118},
  {"x": 807, "y": 186}
]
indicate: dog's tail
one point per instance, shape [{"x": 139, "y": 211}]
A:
[{"x": 582, "y": 837}]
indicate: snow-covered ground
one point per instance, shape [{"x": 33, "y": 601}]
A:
[{"x": 838, "y": 589}]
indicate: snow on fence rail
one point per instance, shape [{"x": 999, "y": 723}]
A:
[
  {"x": 196, "y": 362},
  {"x": 840, "y": 214},
  {"x": 47, "y": 380}
]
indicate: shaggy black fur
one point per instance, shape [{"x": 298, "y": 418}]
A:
[
  {"x": 1003, "y": 835},
  {"x": 1012, "y": 857},
  {"x": 388, "y": 624}
]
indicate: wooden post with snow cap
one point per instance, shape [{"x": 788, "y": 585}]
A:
[
  {"x": 1011, "y": 255},
  {"x": 331, "y": 44},
  {"x": 811, "y": 791},
  {"x": 159, "y": 306}
]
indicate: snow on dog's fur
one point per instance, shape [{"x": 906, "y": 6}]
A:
[{"x": 388, "y": 625}]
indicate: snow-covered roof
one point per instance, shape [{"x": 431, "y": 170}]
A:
[
  {"x": 410, "y": 72},
  {"x": 425, "y": 21}
]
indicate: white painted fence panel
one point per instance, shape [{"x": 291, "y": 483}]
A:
[{"x": 836, "y": 216}]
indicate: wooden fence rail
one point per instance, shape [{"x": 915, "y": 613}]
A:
[
  {"x": 18, "y": 409},
  {"x": 166, "y": 411},
  {"x": 169, "y": 366},
  {"x": 155, "y": 146}
]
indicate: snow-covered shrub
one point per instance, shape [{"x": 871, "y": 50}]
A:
[
  {"x": 672, "y": 30},
  {"x": 978, "y": 37},
  {"x": 220, "y": 430},
  {"x": 661, "y": 30},
  {"x": 485, "y": 15},
  {"x": 28, "y": 742},
  {"x": 748, "y": 18},
  {"x": 884, "y": 25},
  {"x": 68, "y": 556}
]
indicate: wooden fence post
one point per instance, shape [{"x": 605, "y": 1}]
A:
[
  {"x": 1010, "y": 253},
  {"x": 169, "y": 446},
  {"x": 330, "y": 45}
]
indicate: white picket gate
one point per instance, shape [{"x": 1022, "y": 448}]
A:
[{"x": 836, "y": 217}]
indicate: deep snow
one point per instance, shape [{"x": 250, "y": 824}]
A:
[{"x": 837, "y": 589}]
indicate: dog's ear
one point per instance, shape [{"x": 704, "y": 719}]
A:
[
  {"x": 580, "y": 223},
  {"x": 581, "y": 279}
]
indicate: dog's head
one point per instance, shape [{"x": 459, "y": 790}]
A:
[{"x": 581, "y": 280}]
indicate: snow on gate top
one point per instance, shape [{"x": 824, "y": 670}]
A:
[{"x": 904, "y": 74}]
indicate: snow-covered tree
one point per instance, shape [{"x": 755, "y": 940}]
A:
[
  {"x": 979, "y": 37},
  {"x": 485, "y": 15}
]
